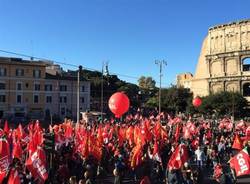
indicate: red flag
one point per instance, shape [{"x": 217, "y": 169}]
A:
[
  {"x": 2, "y": 176},
  {"x": 14, "y": 177},
  {"x": 68, "y": 130},
  {"x": 37, "y": 126},
  {"x": 209, "y": 134},
  {"x": 157, "y": 130},
  {"x": 186, "y": 133},
  {"x": 177, "y": 133},
  {"x": 4, "y": 156},
  {"x": 241, "y": 125},
  {"x": 121, "y": 135},
  {"x": 20, "y": 132},
  {"x": 6, "y": 128},
  {"x": 241, "y": 163},
  {"x": 178, "y": 158},
  {"x": 17, "y": 151},
  {"x": 36, "y": 164},
  {"x": 237, "y": 143},
  {"x": 248, "y": 131},
  {"x": 156, "y": 154},
  {"x": 217, "y": 171},
  {"x": 38, "y": 138}
]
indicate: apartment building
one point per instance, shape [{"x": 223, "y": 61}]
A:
[
  {"x": 61, "y": 94},
  {"x": 36, "y": 89}
]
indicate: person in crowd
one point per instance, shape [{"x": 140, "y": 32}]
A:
[
  {"x": 91, "y": 152},
  {"x": 199, "y": 156},
  {"x": 72, "y": 180},
  {"x": 187, "y": 174},
  {"x": 88, "y": 178}
]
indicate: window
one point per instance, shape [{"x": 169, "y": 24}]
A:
[
  {"x": 36, "y": 98},
  {"x": 63, "y": 110},
  {"x": 37, "y": 87},
  {"x": 37, "y": 73},
  {"x": 83, "y": 88},
  {"x": 2, "y": 98},
  {"x": 246, "y": 89},
  {"x": 48, "y": 99},
  {"x": 82, "y": 99},
  {"x": 19, "y": 72},
  {"x": 19, "y": 98},
  {"x": 48, "y": 87},
  {"x": 246, "y": 64},
  {"x": 2, "y": 86},
  {"x": 63, "y": 99},
  {"x": 19, "y": 86},
  {"x": 63, "y": 88},
  {"x": 3, "y": 72}
]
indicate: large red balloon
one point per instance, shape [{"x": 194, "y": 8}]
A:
[
  {"x": 197, "y": 101},
  {"x": 119, "y": 104}
]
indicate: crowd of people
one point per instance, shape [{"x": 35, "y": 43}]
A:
[{"x": 153, "y": 149}]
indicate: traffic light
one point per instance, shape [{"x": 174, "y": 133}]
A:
[{"x": 49, "y": 142}]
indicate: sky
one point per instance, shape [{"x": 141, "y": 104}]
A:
[{"x": 129, "y": 34}]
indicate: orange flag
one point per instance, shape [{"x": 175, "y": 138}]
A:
[{"x": 237, "y": 143}]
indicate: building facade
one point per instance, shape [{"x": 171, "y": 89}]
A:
[
  {"x": 61, "y": 95},
  {"x": 184, "y": 80},
  {"x": 224, "y": 60},
  {"x": 27, "y": 90}
]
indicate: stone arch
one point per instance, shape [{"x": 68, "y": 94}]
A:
[
  {"x": 231, "y": 86},
  {"x": 216, "y": 68},
  {"x": 246, "y": 63},
  {"x": 231, "y": 66},
  {"x": 217, "y": 87},
  {"x": 246, "y": 89}
]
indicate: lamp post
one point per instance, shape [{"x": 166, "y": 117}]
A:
[
  {"x": 78, "y": 93},
  {"x": 160, "y": 63},
  {"x": 104, "y": 65}
]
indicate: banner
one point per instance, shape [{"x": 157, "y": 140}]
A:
[
  {"x": 241, "y": 163},
  {"x": 36, "y": 164}
]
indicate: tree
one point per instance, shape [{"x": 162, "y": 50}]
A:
[
  {"x": 146, "y": 82},
  {"x": 132, "y": 92},
  {"x": 224, "y": 103},
  {"x": 173, "y": 99}
]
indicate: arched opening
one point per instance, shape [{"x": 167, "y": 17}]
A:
[
  {"x": 246, "y": 64},
  {"x": 246, "y": 89}
]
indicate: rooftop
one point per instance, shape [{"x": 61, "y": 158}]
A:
[
  {"x": 230, "y": 24},
  {"x": 65, "y": 76},
  {"x": 12, "y": 60}
]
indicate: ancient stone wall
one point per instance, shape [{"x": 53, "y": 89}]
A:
[{"x": 220, "y": 65}]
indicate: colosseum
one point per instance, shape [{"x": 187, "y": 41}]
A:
[{"x": 224, "y": 62}]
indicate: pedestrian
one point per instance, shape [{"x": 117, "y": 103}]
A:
[
  {"x": 200, "y": 157},
  {"x": 72, "y": 180},
  {"x": 187, "y": 174}
]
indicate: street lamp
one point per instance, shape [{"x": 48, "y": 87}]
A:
[
  {"x": 104, "y": 65},
  {"x": 78, "y": 93},
  {"x": 160, "y": 63}
]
